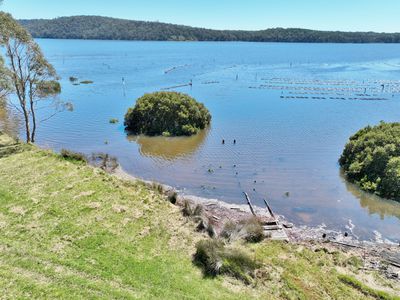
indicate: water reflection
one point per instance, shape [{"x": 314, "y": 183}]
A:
[
  {"x": 9, "y": 122},
  {"x": 374, "y": 204},
  {"x": 169, "y": 148}
]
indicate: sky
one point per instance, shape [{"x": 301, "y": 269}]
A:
[{"x": 344, "y": 15}]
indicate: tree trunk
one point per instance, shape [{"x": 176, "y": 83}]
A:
[
  {"x": 32, "y": 108},
  {"x": 33, "y": 124},
  {"x": 27, "y": 127}
]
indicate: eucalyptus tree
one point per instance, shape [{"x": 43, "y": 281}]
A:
[
  {"x": 5, "y": 84},
  {"x": 27, "y": 74}
]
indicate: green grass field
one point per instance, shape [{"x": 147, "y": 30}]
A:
[{"x": 70, "y": 231}]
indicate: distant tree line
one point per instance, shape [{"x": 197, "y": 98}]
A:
[{"x": 104, "y": 28}]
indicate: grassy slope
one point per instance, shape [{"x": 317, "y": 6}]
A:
[{"x": 70, "y": 231}]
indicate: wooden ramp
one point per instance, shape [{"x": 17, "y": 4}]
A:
[{"x": 273, "y": 228}]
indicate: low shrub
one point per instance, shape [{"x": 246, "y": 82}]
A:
[
  {"x": 208, "y": 225},
  {"x": 73, "y": 156},
  {"x": 254, "y": 230},
  {"x": 191, "y": 210},
  {"x": 250, "y": 230},
  {"x": 215, "y": 258}
]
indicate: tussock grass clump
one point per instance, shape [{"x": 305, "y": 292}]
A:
[
  {"x": 215, "y": 259},
  {"x": 198, "y": 210},
  {"x": 254, "y": 230},
  {"x": 158, "y": 187},
  {"x": 250, "y": 230},
  {"x": 73, "y": 156},
  {"x": 172, "y": 197},
  {"x": 208, "y": 225},
  {"x": 191, "y": 210},
  {"x": 196, "y": 213}
]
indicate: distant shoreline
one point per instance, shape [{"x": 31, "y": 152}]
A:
[
  {"x": 105, "y": 28},
  {"x": 184, "y": 42}
]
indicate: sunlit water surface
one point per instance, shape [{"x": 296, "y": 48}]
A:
[{"x": 290, "y": 107}]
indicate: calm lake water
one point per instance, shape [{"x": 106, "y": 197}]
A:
[{"x": 290, "y": 107}]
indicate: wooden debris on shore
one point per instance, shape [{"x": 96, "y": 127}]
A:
[
  {"x": 272, "y": 227},
  {"x": 250, "y": 205}
]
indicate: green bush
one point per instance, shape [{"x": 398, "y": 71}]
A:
[
  {"x": 168, "y": 114},
  {"x": 215, "y": 258},
  {"x": 372, "y": 159},
  {"x": 73, "y": 156}
]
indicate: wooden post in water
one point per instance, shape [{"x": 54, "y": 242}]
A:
[
  {"x": 249, "y": 203},
  {"x": 269, "y": 209}
]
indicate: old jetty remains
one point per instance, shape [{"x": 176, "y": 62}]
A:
[{"x": 273, "y": 228}]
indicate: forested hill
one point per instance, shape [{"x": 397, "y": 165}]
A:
[{"x": 104, "y": 28}]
